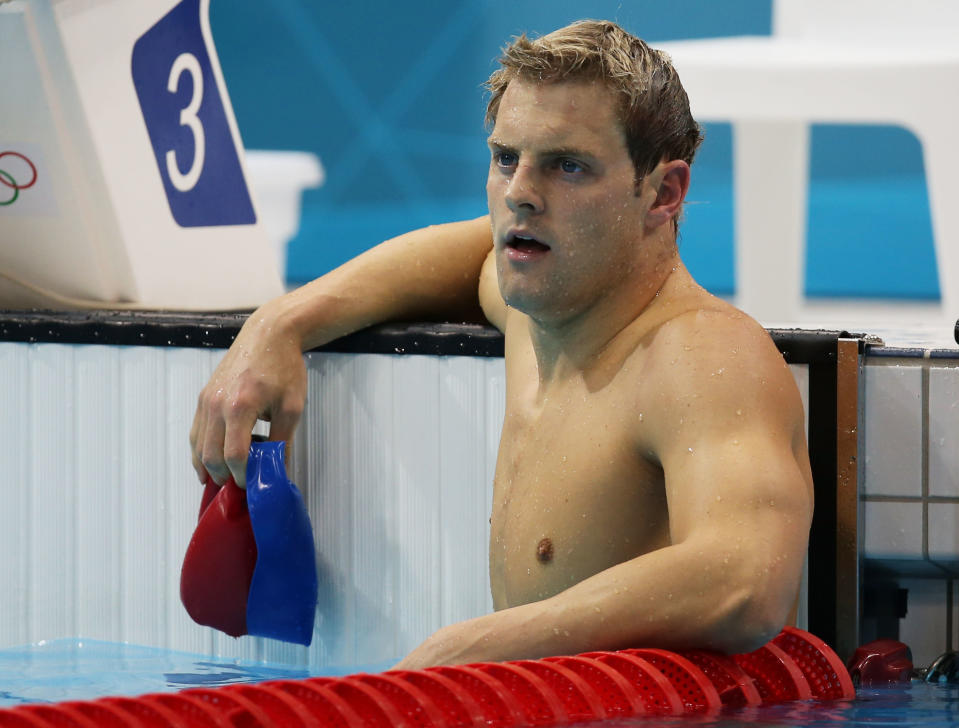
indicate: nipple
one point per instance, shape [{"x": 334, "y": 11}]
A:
[{"x": 544, "y": 551}]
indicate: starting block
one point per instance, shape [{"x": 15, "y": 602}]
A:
[{"x": 122, "y": 174}]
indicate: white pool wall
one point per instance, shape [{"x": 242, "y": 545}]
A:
[{"x": 395, "y": 456}]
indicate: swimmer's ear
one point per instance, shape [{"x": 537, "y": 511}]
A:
[{"x": 670, "y": 180}]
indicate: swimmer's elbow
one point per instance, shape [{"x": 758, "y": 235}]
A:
[
  {"x": 756, "y": 616},
  {"x": 751, "y": 633}
]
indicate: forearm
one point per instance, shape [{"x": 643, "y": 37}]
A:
[
  {"x": 715, "y": 594},
  {"x": 673, "y": 598},
  {"x": 430, "y": 274}
]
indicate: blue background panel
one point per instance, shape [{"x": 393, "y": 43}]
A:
[
  {"x": 219, "y": 196},
  {"x": 390, "y": 96}
]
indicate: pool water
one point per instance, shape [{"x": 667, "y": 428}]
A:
[
  {"x": 77, "y": 669},
  {"x": 919, "y": 704}
]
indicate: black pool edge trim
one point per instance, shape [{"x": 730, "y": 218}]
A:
[{"x": 218, "y": 330}]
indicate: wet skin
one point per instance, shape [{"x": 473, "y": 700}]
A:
[
  {"x": 568, "y": 468},
  {"x": 603, "y": 328}
]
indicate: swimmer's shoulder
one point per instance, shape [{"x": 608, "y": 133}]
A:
[
  {"x": 687, "y": 315},
  {"x": 692, "y": 334},
  {"x": 706, "y": 330}
]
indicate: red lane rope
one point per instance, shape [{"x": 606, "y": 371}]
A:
[
  {"x": 776, "y": 675},
  {"x": 698, "y": 693},
  {"x": 555, "y": 691}
]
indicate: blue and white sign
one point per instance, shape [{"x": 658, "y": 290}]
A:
[{"x": 187, "y": 124}]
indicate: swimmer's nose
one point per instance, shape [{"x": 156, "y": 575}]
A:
[{"x": 522, "y": 192}]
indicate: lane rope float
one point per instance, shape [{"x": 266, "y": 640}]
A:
[{"x": 553, "y": 691}]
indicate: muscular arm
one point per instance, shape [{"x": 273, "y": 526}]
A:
[
  {"x": 729, "y": 435},
  {"x": 428, "y": 274}
]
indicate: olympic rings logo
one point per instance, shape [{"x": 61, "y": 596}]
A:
[{"x": 7, "y": 180}]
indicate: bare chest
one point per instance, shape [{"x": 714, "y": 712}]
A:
[{"x": 572, "y": 496}]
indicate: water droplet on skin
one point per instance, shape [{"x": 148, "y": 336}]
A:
[
  {"x": 739, "y": 412},
  {"x": 640, "y": 416},
  {"x": 718, "y": 498},
  {"x": 687, "y": 348},
  {"x": 690, "y": 449}
]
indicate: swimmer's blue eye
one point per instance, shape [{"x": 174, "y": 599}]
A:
[
  {"x": 569, "y": 166},
  {"x": 505, "y": 159}
]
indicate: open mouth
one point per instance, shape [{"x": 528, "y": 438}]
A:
[{"x": 526, "y": 244}]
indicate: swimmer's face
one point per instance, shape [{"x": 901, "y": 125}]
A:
[{"x": 567, "y": 219}]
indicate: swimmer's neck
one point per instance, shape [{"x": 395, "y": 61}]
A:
[{"x": 568, "y": 347}]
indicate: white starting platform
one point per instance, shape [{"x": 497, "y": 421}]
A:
[{"x": 122, "y": 175}]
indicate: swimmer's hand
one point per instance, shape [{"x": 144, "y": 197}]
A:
[{"x": 262, "y": 376}]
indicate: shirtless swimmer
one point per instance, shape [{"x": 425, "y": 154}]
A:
[{"x": 652, "y": 486}]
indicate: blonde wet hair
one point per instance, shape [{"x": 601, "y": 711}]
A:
[{"x": 653, "y": 106}]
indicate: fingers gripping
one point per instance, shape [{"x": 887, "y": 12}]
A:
[
  {"x": 223, "y": 427},
  {"x": 261, "y": 376},
  {"x": 217, "y": 437}
]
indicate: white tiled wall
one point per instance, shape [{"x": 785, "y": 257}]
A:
[
  {"x": 925, "y": 627},
  {"x": 944, "y": 431},
  {"x": 891, "y": 531},
  {"x": 893, "y": 434},
  {"x": 911, "y": 488},
  {"x": 943, "y": 527}
]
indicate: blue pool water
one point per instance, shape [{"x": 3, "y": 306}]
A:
[
  {"x": 919, "y": 704},
  {"x": 78, "y": 669},
  {"x": 82, "y": 670}
]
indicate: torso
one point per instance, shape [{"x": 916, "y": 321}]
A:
[
  {"x": 572, "y": 494},
  {"x": 578, "y": 485},
  {"x": 577, "y": 488}
]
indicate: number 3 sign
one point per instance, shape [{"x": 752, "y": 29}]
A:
[{"x": 185, "y": 119}]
